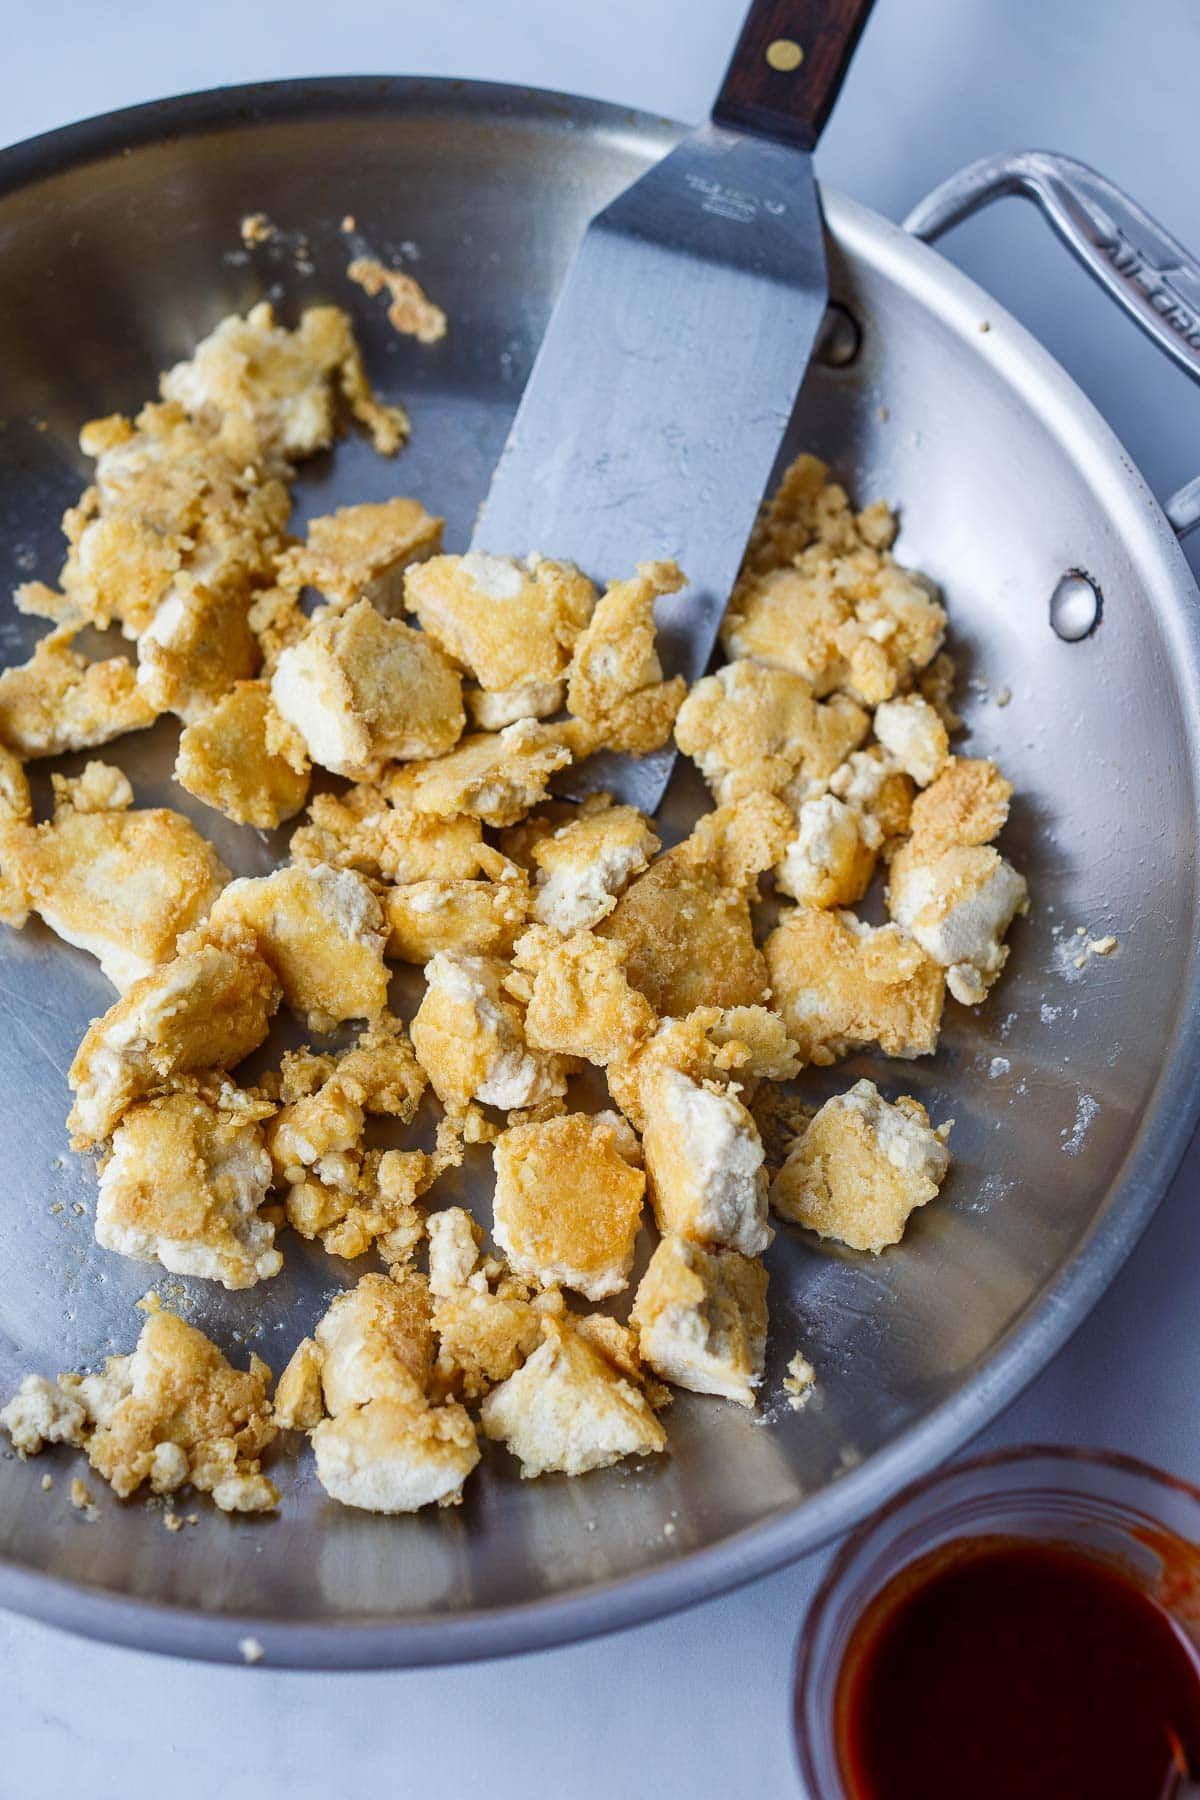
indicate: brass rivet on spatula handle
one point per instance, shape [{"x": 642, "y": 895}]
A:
[{"x": 785, "y": 54}]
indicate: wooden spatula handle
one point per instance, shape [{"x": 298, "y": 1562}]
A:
[{"x": 788, "y": 66}]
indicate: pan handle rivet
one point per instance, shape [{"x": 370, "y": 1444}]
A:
[
  {"x": 1075, "y": 606},
  {"x": 785, "y": 54}
]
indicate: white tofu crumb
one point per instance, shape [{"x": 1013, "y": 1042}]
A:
[
  {"x": 911, "y": 731},
  {"x": 251, "y": 1650},
  {"x": 704, "y": 1162}
]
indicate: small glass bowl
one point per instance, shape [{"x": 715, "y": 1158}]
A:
[{"x": 1112, "y": 1507}]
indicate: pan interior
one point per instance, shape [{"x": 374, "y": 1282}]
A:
[{"x": 119, "y": 250}]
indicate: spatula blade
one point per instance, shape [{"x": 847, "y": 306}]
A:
[{"x": 662, "y": 390}]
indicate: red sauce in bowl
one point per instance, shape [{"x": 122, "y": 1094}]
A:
[{"x": 1006, "y": 1669}]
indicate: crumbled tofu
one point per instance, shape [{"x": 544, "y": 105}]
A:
[
  {"x": 808, "y": 508},
  {"x": 476, "y": 918},
  {"x": 169, "y": 505},
  {"x": 196, "y": 646},
  {"x": 16, "y": 806},
  {"x": 359, "y": 830},
  {"x": 370, "y": 1198},
  {"x": 361, "y": 553},
  {"x": 580, "y": 1000},
  {"x": 175, "y": 1411},
  {"x": 690, "y": 942},
  {"x": 569, "y": 1409},
  {"x": 323, "y": 932},
  {"x": 751, "y": 729},
  {"x": 701, "y": 1319},
  {"x": 121, "y": 885},
  {"x": 712, "y": 1044},
  {"x": 958, "y": 903},
  {"x": 384, "y": 1448},
  {"x": 704, "y": 1163},
  {"x": 739, "y": 842},
  {"x": 395, "y": 1456},
  {"x": 508, "y": 623},
  {"x": 840, "y": 984},
  {"x": 911, "y": 731},
  {"x": 244, "y": 759},
  {"x": 584, "y": 866},
  {"x": 58, "y": 701},
  {"x": 831, "y": 859},
  {"x": 184, "y": 1184},
  {"x": 206, "y": 1009},
  {"x": 493, "y": 778},
  {"x": 363, "y": 691},
  {"x": 376, "y": 1342},
  {"x": 861, "y": 1168},
  {"x": 568, "y": 1201},
  {"x": 843, "y": 615},
  {"x": 937, "y": 685},
  {"x": 967, "y": 804},
  {"x": 799, "y": 1384},
  {"x": 410, "y": 310},
  {"x": 251, "y": 1650},
  {"x": 615, "y": 685},
  {"x": 299, "y": 1397},
  {"x": 454, "y": 1240},
  {"x": 40, "y": 1413},
  {"x": 271, "y": 395},
  {"x": 470, "y": 1039},
  {"x": 878, "y": 788},
  {"x": 493, "y": 710}
]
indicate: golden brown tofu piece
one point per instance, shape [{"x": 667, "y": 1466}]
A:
[
  {"x": 384, "y": 1448},
  {"x": 271, "y": 395},
  {"x": 839, "y": 985},
  {"x": 878, "y": 788},
  {"x": 808, "y": 508},
  {"x": 361, "y": 553},
  {"x": 196, "y": 646},
  {"x": 690, "y": 942},
  {"x": 568, "y": 1201},
  {"x": 184, "y": 1185},
  {"x": 585, "y": 864},
  {"x": 394, "y": 1456},
  {"x": 704, "y": 1162},
  {"x": 486, "y": 1320},
  {"x": 751, "y": 729},
  {"x": 244, "y": 759},
  {"x": 363, "y": 691},
  {"x": 493, "y": 778},
  {"x": 615, "y": 684},
  {"x": 16, "y": 806},
  {"x": 739, "y": 842},
  {"x": 958, "y": 902},
  {"x": 580, "y": 1001},
  {"x": 476, "y": 918},
  {"x": 861, "y": 1168},
  {"x": 470, "y": 1039},
  {"x": 748, "y": 1044},
  {"x": 359, "y": 830},
  {"x": 912, "y": 733},
  {"x": 410, "y": 310},
  {"x": 701, "y": 1319},
  {"x": 169, "y": 509},
  {"x": 122, "y": 885},
  {"x": 569, "y": 1409},
  {"x": 58, "y": 701},
  {"x": 299, "y": 1401},
  {"x": 508, "y": 623},
  {"x": 831, "y": 858},
  {"x": 493, "y": 709},
  {"x": 206, "y": 1009},
  {"x": 322, "y": 931},
  {"x": 174, "y": 1411},
  {"x": 967, "y": 804}
]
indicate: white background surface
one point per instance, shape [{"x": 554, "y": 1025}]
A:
[{"x": 696, "y": 1705}]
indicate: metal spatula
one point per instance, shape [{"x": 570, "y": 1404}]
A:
[{"x": 664, "y": 384}]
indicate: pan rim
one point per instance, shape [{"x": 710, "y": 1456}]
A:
[{"x": 1050, "y": 1316}]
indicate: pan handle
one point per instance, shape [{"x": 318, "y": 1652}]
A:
[{"x": 1141, "y": 266}]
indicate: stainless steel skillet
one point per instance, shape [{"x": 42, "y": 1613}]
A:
[{"x": 1074, "y": 1090}]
